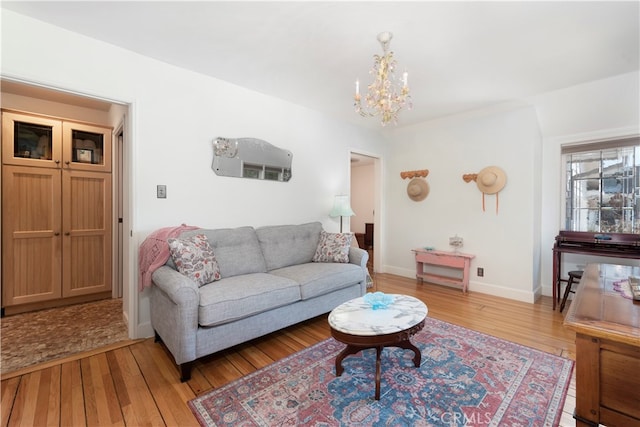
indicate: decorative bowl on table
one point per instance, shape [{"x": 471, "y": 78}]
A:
[{"x": 378, "y": 300}]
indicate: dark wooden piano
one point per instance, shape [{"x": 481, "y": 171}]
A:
[{"x": 617, "y": 245}]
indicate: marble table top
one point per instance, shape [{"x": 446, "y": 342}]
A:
[{"x": 356, "y": 317}]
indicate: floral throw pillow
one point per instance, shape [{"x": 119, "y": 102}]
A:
[
  {"x": 194, "y": 258},
  {"x": 333, "y": 247}
]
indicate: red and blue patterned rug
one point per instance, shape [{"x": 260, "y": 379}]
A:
[{"x": 466, "y": 378}]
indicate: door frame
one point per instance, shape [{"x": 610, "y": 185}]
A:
[
  {"x": 118, "y": 212},
  {"x": 123, "y": 249}
]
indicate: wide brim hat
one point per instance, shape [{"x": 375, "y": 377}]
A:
[
  {"x": 491, "y": 180},
  {"x": 418, "y": 189}
]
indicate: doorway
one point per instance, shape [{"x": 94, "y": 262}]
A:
[
  {"x": 365, "y": 202},
  {"x": 43, "y": 100}
]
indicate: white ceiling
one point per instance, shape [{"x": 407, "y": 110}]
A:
[{"x": 460, "y": 55}]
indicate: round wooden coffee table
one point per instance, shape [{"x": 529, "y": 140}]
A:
[{"x": 357, "y": 325}]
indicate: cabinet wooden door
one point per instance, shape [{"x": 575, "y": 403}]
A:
[
  {"x": 86, "y": 236},
  {"x": 31, "y": 234}
]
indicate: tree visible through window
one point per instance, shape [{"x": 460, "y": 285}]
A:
[{"x": 602, "y": 192}]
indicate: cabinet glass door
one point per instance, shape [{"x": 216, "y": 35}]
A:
[
  {"x": 87, "y": 147},
  {"x": 30, "y": 141}
]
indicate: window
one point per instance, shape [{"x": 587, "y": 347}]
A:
[{"x": 602, "y": 191}]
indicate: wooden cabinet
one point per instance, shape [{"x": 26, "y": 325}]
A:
[
  {"x": 607, "y": 326},
  {"x": 56, "y": 212},
  {"x": 368, "y": 235}
]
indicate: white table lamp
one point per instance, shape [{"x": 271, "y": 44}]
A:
[{"x": 341, "y": 208}]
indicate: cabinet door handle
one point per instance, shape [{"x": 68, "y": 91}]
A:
[
  {"x": 56, "y": 234},
  {"x": 67, "y": 234},
  {"x": 57, "y": 162},
  {"x": 67, "y": 163}
]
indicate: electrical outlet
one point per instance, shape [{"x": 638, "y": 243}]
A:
[
  {"x": 162, "y": 191},
  {"x": 480, "y": 272}
]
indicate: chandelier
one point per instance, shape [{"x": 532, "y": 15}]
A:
[{"x": 386, "y": 95}]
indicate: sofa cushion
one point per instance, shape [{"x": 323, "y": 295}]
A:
[
  {"x": 194, "y": 258},
  {"x": 319, "y": 278},
  {"x": 237, "y": 250},
  {"x": 238, "y": 297},
  {"x": 286, "y": 245},
  {"x": 333, "y": 247}
]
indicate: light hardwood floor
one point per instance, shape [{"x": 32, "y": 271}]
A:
[{"x": 137, "y": 383}]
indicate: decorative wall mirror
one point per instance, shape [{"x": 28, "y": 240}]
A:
[{"x": 251, "y": 158}]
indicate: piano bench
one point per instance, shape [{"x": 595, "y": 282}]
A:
[{"x": 574, "y": 277}]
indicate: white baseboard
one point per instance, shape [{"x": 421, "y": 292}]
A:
[
  {"x": 400, "y": 271},
  {"x": 125, "y": 318},
  {"x": 145, "y": 330},
  {"x": 484, "y": 288},
  {"x": 501, "y": 291}
]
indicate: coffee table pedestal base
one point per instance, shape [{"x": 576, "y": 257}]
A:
[{"x": 356, "y": 343}]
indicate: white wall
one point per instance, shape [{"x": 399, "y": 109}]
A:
[
  {"x": 514, "y": 246},
  {"x": 174, "y": 116},
  {"x": 503, "y": 242},
  {"x": 603, "y": 109}
]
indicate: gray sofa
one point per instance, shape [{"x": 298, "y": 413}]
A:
[{"x": 268, "y": 282}]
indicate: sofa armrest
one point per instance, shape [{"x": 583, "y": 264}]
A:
[
  {"x": 174, "y": 312},
  {"x": 178, "y": 287},
  {"x": 358, "y": 256}
]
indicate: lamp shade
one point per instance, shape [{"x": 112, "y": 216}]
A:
[{"x": 341, "y": 207}]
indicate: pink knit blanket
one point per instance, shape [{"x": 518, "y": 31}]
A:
[{"x": 154, "y": 252}]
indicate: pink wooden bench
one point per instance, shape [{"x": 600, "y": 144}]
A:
[{"x": 449, "y": 260}]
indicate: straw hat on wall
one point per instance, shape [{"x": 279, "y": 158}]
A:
[
  {"x": 418, "y": 189},
  {"x": 491, "y": 180}
]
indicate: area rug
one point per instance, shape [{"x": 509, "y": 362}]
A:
[
  {"x": 466, "y": 378},
  {"x": 31, "y": 338}
]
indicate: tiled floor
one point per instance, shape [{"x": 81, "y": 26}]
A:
[{"x": 31, "y": 338}]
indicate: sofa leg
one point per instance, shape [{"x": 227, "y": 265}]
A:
[
  {"x": 185, "y": 368},
  {"x": 185, "y": 371}
]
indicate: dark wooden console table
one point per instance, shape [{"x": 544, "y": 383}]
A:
[
  {"x": 617, "y": 245},
  {"x": 607, "y": 327}
]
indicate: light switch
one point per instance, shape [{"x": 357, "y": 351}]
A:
[{"x": 162, "y": 191}]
